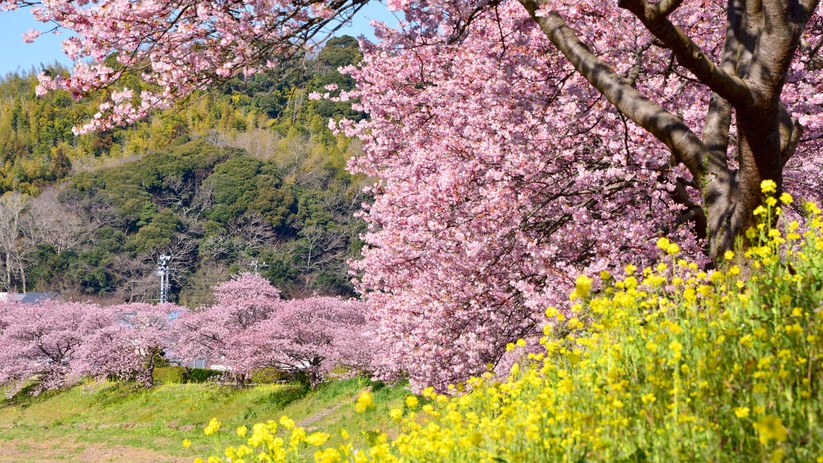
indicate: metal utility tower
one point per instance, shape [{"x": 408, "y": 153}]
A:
[
  {"x": 163, "y": 273},
  {"x": 257, "y": 266}
]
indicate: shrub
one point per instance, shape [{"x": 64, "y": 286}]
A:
[
  {"x": 671, "y": 363},
  {"x": 170, "y": 375},
  {"x": 201, "y": 375},
  {"x": 180, "y": 375},
  {"x": 268, "y": 375}
]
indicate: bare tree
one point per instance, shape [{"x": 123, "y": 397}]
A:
[
  {"x": 48, "y": 221},
  {"x": 260, "y": 143},
  {"x": 319, "y": 247},
  {"x": 12, "y": 207}
]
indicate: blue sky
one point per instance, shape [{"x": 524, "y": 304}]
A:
[{"x": 18, "y": 56}]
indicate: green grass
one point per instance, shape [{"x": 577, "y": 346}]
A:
[{"x": 106, "y": 415}]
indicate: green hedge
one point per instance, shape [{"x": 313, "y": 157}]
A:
[{"x": 179, "y": 375}]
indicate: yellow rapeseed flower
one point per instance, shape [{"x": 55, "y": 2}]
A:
[
  {"x": 186, "y": 443},
  {"x": 768, "y": 186},
  {"x": 673, "y": 249},
  {"x": 411, "y": 402},
  {"x": 317, "y": 439},
  {"x": 582, "y": 286},
  {"x": 212, "y": 427},
  {"x": 786, "y": 198},
  {"x": 741, "y": 412},
  {"x": 364, "y": 402},
  {"x": 395, "y": 413},
  {"x": 769, "y": 428},
  {"x": 286, "y": 422},
  {"x": 328, "y": 455}
]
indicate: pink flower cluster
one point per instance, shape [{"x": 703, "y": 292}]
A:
[{"x": 177, "y": 47}]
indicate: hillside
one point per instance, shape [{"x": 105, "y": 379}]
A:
[
  {"x": 117, "y": 422},
  {"x": 245, "y": 172}
]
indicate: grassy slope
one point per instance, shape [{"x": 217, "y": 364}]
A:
[{"x": 118, "y": 422}]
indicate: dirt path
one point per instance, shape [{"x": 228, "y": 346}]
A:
[
  {"x": 309, "y": 421},
  {"x": 66, "y": 450}
]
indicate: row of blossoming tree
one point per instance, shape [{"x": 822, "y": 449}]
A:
[{"x": 248, "y": 328}]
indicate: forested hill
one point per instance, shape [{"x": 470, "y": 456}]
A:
[{"x": 245, "y": 172}]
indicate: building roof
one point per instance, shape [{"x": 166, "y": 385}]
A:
[{"x": 30, "y": 298}]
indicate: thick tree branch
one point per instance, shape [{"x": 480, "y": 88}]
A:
[
  {"x": 716, "y": 129},
  {"x": 666, "y": 7},
  {"x": 790, "y": 133},
  {"x": 665, "y": 126},
  {"x": 689, "y": 55}
]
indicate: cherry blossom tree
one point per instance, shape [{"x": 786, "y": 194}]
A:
[
  {"x": 218, "y": 332},
  {"x": 745, "y": 62},
  {"x": 311, "y": 337},
  {"x": 57, "y": 343},
  {"x": 250, "y": 328},
  {"x": 505, "y": 174},
  {"x": 38, "y": 341},
  {"x": 126, "y": 341}
]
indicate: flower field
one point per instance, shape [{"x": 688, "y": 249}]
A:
[{"x": 669, "y": 363}]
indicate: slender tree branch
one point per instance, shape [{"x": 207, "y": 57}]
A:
[
  {"x": 689, "y": 54},
  {"x": 634, "y": 72}
]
